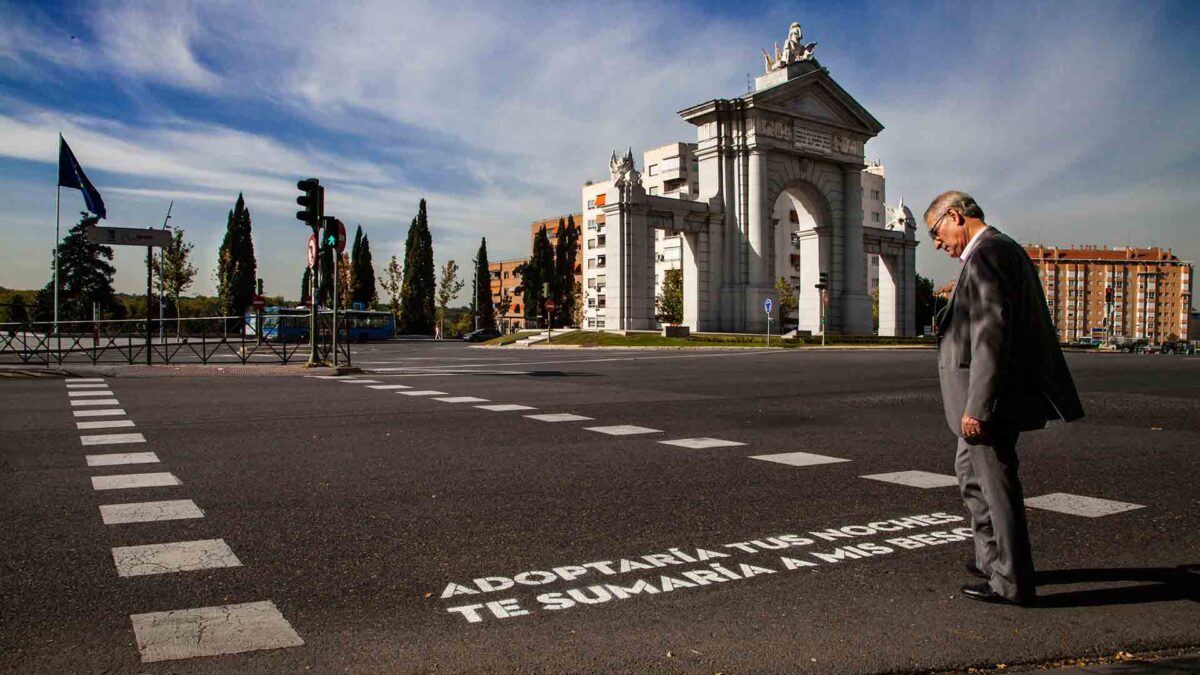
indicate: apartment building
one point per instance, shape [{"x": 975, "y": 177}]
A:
[
  {"x": 1151, "y": 292},
  {"x": 504, "y": 279}
]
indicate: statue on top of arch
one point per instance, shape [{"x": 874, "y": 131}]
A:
[
  {"x": 900, "y": 217},
  {"x": 622, "y": 170},
  {"x": 794, "y": 50}
]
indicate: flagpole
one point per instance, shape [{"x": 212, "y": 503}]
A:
[{"x": 57, "y": 220}]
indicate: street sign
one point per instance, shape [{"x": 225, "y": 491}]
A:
[
  {"x": 312, "y": 250},
  {"x": 335, "y": 234},
  {"x": 550, "y": 305},
  {"x": 259, "y": 302},
  {"x": 767, "y": 306},
  {"x": 128, "y": 236}
]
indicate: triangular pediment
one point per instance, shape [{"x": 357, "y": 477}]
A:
[{"x": 815, "y": 96}]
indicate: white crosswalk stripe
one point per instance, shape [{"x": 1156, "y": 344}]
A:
[
  {"x": 623, "y": 430},
  {"x": 212, "y": 631},
  {"x": 94, "y": 402},
  {"x": 112, "y": 439},
  {"x": 799, "y": 458},
  {"x": 422, "y": 392},
  {"x": 146, "y": 512},
  {"x": 917, "y": 479},
  {"x": 130, "y": 481},
  {"x": 461, "y": 399},
  {"x": 559, "y": 417},
  {"x": 115, "y": 458},
  {"x": 1079, "y": 505},
  {"x": 109, "y": 412},
  {"x": 84, "y": 380},
  {"x": 702, "y": 443},
  {"x": 389, "y": 386},
  {"x": 359, "y": 381},
  {"x": 505, "y": 407},
  {"x": 88, "y": 392},
  {"x": 104, "y": 424},
  {"x": 71, "y": 386},
  {"x": 177, "y": 556}
]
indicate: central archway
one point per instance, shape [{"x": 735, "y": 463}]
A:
[{"x": 800, "y": 243}]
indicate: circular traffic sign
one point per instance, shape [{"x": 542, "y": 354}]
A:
[
  {"x": 312, "y": 250},
  {"x": 550, "y": 305},
  {"x": 259, "y": 302},
  {"x": 767, "y": 305}
]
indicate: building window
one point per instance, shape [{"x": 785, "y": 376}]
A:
[
  {"x": 591, "y": 243},
  {"x": 654, "y": 189},
  {"x": 600, "y": 240},
  {"x": 600, "y": 323},
  {"x": 591, "y": 203},
  {"x": 875, "y": 195},
  {"x": 875, "y": 216},
  {"x": 600, "y": 261},
  {"x": 600, "y": 301},
  {"x": 591, "y": 263},
  {"x": 591, "y": 282},
  {"x": 601, "y": 199},
  {"x": 591, "y": 323},
  {"x": 652, "y": 170}
]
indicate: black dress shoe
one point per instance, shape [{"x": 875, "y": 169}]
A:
[
  {"x": 974, "y": 570},
  {"x": 984, "y": 593}
]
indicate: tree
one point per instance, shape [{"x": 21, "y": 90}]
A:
[
  {"x": 924, "y": 301},
  {"x": 84, "y": 278},
  {"x": 787, "y": 300},
  {"x": 355, "y": 253},
  {"x": 669, "y": 304},
  {"x": 174, "y": 267},
  {"x": 417, "y": 313},
  {"x": 565, "y": 253},
  {"x": 392, "y": 284},
  {"x": 236, "y": 267},
  {"x": 577, "y": 305},
  {"x": 345, "y": 282},
  {"x": 17, "y": 312},
  {"x": 364, "y": 276},
  {"x": 482, "y": 303},
  {"x": 503, "y": 306},
  {"x": 305, "y": 286},
  {"x": 875, "y": 310},
  {"x": 535, "y": 272},
  {"x": 448, "y": 289}
]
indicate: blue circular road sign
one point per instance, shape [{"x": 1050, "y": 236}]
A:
[{"x": 767, "y": 305}]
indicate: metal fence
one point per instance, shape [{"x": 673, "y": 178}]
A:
[{"x": 210, "y": 339}]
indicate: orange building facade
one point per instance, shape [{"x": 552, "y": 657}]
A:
[
  {"x": 505, "y": 279},
  {"x": 1151, "y": 292}
]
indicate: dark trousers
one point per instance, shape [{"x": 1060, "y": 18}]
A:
[{"x": 991, "y": 489}]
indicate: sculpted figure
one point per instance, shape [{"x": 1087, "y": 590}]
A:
[{"x": 794, "y": 50}]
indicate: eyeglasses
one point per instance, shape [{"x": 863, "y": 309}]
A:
[{"x": 933, "y": 231}]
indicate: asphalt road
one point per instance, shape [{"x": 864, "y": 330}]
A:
[{"x": 377, "y": 524}]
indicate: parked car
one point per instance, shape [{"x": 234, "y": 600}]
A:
[{"x": 481, "y": 335}]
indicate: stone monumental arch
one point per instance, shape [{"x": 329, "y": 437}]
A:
[{"x": 780, "y": 173}]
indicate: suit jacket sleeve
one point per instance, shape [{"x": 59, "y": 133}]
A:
[{"x": 992, "y": 303}]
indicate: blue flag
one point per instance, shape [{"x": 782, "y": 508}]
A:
[{"x": 71, "y": 175}]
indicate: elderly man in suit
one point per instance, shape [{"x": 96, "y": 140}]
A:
[{"x": 1001, "y": 373}]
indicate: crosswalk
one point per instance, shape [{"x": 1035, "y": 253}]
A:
[
  {"x": 1071, "y": 504},
  {"x": 175, "y": 633}
]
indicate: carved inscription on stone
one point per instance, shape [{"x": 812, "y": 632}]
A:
[
  {"x": 847, "y": 146},
  {"x": 811, "y": 139},
  {"x": 775, "y": 128}
]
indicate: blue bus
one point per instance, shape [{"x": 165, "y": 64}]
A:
[{"x": 291, "y": 324}]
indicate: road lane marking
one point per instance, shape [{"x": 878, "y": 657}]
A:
[
  {"x": 462, "y": 399},
  {"x": 327, "y": 377},
  {"x": 89, "y": 392},
  {"x": 702, "y": 443},
  {"x": 623, "y": 430},
  {"x": 134, "y": 480},
  {"x": 1079, "y": 505},
  {"x": 917, "y": 479},
  {"x": 505, "y": 407},
  {"x": 559, "y": 417},
  {"x": 112, "y": 439},
  {"x": 389, "y": 386},
  {"x": 71, "y": 386},
  {"x": 212, "y": 631},
  {"x": 799, "y": 458},
  {"x": 115, "y": 458},
  {"x": 176, "y": 556},
  {"x": 104, "y": 424},
  {"x": 84, "y": 380},
  {"x": 422, "y": 392},
  {"x": 95, "y": 402},
  {"x": 99, "y": 413},
  {"x": 146, "y": 512},
  {"x": 359, "y": 381}
]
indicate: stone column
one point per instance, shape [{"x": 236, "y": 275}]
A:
[
  {"x": 690, "y": 265},
  {"x": 758, "y": 225},
  {"x": 890, "y": 300},
  {"x": 856, "y": 304}
]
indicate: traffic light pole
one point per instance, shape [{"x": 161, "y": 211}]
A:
[{"x": 335, "y": 305}]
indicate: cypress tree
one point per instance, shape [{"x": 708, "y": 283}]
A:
[
  {"x": 538, "y": 271},
  {"x": 565, "y": 253},
  {"x": 365, "y": 275},
  {"x": 483, "y": 289},
  {"x": 417, "y": 293},
  {"x": 355, "y": 253},
  {"x": 237, "y": 270}
]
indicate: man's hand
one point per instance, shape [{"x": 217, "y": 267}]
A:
[{"x": 972, "y": 430}]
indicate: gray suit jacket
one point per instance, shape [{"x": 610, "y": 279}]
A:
[{"x": 998, "y": 354}]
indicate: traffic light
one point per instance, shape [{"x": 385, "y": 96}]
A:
[
  {"x": 824, "y": 282},
  {"x": 313, "y": 201},
  {"x": 1108, "y": 295},
  {"x": 334, "y": 234}
]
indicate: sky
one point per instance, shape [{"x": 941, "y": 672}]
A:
[{"x": 1070, "y": 122}]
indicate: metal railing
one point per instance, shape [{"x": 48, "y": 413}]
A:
[{"x": 211, "y": 339}]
